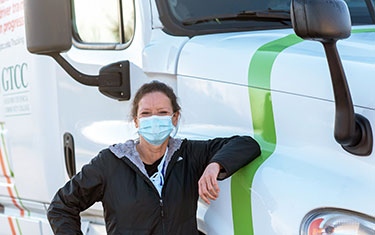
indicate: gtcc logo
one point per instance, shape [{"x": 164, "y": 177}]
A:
[{"x": 12, "y": 77}]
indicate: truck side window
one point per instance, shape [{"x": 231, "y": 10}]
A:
[
  {"x": 102, "y": 24},
  {"x": 197, "y": 17},
  {"x": 359, "y": 11}
]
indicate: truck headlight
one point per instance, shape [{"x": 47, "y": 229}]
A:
[{"x": 337, "y": 222}]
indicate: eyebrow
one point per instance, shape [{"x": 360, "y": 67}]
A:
[{"x": 158, "y": 109}]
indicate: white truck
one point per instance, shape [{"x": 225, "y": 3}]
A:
[{"x": 237, "y": 67}]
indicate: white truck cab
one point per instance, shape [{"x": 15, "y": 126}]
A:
[{"x": 69, "y": 70}]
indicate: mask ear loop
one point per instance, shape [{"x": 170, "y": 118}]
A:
[
  {"x": 137, "y": 129},
  {"x": 175, "y": 129}
]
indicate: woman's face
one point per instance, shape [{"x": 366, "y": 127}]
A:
[{"x": 155, "y": 103}]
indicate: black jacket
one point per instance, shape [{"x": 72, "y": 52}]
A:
[{"x": 132, "y": 204}]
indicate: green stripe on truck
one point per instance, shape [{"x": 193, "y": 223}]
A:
[{"x": 259, "y": 82}]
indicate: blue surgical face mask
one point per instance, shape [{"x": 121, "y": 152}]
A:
[{"x": 155, "y": 129}]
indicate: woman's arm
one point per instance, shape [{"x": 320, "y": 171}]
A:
[
  {"x": 220, "y": 158},
  {"x": 235, "y": 153},
  {"x": 78, "y": 194}
]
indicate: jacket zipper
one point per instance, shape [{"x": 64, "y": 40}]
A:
[
  {"x": 162, "y": 215},
  {"x": 167, "y": 173},
  {"x": 148, "y": 181},
  {"x": 168, "y": 170}
]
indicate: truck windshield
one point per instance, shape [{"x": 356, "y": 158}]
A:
[{"x": 248, "y": 14}]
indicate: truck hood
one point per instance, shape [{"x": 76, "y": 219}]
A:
[{"x": 292, "y": 66}]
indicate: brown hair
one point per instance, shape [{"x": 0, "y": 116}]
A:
[{"x": 154, "y": 86}]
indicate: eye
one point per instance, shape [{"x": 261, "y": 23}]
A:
[
  {"x": 145, "y": 114},
  {"x": 163, "y": 113}
]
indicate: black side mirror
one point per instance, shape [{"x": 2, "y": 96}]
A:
[
  {"x": 321, "y": 20},
  {"x": 328, "y": 21},
  {"x": 48, "y": 26}
]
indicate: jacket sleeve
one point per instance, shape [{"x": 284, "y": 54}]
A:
[
  {"x": 78, "y": 194},
  {"x": 231, "y": 153}
]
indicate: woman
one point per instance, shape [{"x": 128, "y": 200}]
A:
[{"x": 151, "y": 185}]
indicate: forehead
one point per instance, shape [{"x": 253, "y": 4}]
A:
[{"x": 154, "y": 100}]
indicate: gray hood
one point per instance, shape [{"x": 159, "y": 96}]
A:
[{"x": 128, "y": 150}]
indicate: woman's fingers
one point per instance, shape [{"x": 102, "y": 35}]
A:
[
  {"x": 212, "y": 193},
  {"x": 203, "y": 192},
  {"x": 215, "y": 185},
  {"x": 208, "y": 186}
]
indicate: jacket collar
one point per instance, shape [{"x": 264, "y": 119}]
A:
[{"x": 128, "y": 150}]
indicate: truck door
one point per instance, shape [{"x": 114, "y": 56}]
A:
[
  {"x": 88, "y": 120},
  {"x": 104, "y": 32}
]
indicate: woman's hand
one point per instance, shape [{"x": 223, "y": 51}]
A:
[{"x": 208, "y": 187}]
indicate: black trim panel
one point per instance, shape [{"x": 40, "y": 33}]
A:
[{"x": 173, "y": 27}]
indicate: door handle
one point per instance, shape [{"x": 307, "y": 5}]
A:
[{"x": 69, "y": 154}]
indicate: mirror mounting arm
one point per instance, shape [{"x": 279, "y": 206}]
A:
[
  {"x": 327, "y": 21},
  {"x": 48, "y": 32},
  {"x": 113, "y": 79},
  {"x": 89, "y": 80},
  {"x": 352, "y": 131},
  {"x": 345, "y": 131}
]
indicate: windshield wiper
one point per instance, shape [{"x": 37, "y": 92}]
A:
[{"x": 268, "y": 15}]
